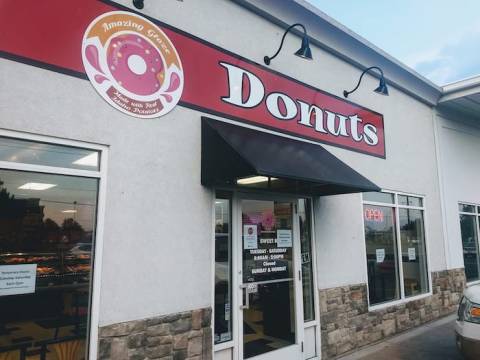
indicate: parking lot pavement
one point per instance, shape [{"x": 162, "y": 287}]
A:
[{"x": 433, "y": 341}]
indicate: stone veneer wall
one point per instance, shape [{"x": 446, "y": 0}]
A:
[
  {"x": 182, "y": 336},
  {"x": 346, "y": 323}
]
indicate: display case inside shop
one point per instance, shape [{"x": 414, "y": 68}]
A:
[{"x": 54, "y": 269}]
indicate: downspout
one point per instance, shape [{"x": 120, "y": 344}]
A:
[{"x": 436, "y": 132}]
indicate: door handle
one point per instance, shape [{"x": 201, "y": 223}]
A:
[{"x": 246, "y": 305}]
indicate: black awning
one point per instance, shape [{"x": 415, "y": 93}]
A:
[{"x": 231, "y": 152}]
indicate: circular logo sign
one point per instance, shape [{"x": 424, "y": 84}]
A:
[{"x": 132, "y": 64}]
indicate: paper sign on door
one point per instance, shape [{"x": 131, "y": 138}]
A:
[
  {"x": 412, "y": 256},
  {"x": 284, "y": 238},
  {"x": 227, "y": 311},
  {"x": 17, "y": 279},
  {"x": 250, "y": 238},
  {"x": 380, "y": 255}
]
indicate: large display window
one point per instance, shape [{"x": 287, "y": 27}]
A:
[
  {"x": 47, "y": 237},
  {"x": 395, "y": 246},
  {"x": 223, "y": 270},
  {"x": 382, "y": 254},
  {"x": 469, "y": 228},
  {"x": 305, "y": 219}
]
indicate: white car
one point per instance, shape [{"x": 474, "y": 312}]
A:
[
  {"x": 81, "y": 248},
  {"x": 467, "y": 326}
]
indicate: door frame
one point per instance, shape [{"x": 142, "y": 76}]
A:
[{"x": 237, "y": 274}]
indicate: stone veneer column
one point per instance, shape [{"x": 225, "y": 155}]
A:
[
  {"x": 346, "y": 323},
  {"x": 182, "y": 336}
]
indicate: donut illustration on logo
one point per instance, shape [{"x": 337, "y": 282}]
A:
[{"x": 132, "y": 64}]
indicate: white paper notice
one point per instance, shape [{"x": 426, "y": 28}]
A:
[
  {"x": 225, "y": 336},
  {"x": 250, "y": 238},
  {"x": 17, "y": 279},
  {"x": 412, "y": 256},
  {"x": 284, "y": 238},
  {"x": 227, "y": 311},
  {"x": 380, "y": 255}
]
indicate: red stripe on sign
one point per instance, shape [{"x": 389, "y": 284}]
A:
[
  {"x": 49, "y": 31},
  {"x": 216, "y": 80}
]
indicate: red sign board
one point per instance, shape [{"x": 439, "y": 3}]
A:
[{"x": 49, "y": 34}]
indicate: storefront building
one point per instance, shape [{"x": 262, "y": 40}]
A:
[
  {"x": 166, "y": 193},
  {"x": 456, "y": 127}
]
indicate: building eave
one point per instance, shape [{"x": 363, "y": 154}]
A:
[{"x": 335, "y": 38}]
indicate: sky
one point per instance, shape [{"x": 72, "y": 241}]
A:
[{"x": 440, "y": 39}]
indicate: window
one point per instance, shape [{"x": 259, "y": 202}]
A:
[
  {"x": 47, "y": 236},
  {"x": 304, "y": 214},
  {"x": 469, "y": 228},
  {"x": 40, "y": 153},
  {"x": 223, "y": 269},
  {"x": 395, "y": 243}
]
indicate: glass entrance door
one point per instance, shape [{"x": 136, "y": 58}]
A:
[{"x": 268, "y": 285}]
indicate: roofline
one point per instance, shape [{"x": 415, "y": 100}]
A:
[
  {"x": 458, "y": 96},
  {"x": 342, "y": 42},
  {"x": 461, "y": 85},
  {"x": 366, "y": 43}
]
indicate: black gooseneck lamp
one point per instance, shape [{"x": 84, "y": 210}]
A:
[
  {"x": 381, "y": 89},
  {"x": 304, "y": 52},
  {"x": 138, "y": 4}
]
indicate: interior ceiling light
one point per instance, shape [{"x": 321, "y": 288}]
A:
[
  {"x": 381, "y": 89},
  {"x": 36, "y": 186},
  {"x": 69, "y": 211},
  {"x": 89, "y": 160},
  {"x": 304, "y": 52},
  {"x": 254, "y": 180}
]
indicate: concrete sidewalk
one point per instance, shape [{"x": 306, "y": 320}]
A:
[{"x": 433, "y": 341}]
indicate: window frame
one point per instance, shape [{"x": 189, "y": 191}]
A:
[
  {"x": 476, "y": 215},
  {"x": 224, "y": 195},
  {"x": 396, "y": 206},
  {"x": 100, "y": 174},
  {"x": 310, "y": 219}
]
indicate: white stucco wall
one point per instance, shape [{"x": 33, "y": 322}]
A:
[
  {"x": 340, "y": 243},
  {"x": 460, "y": 165},
  {"x": 158, "y": 216},
  {"x": 158, "y": 221}
]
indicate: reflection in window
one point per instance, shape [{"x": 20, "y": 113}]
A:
[
  {"x": 267, "y": 218},
  {"x": 223, "y": 291},
  {"x": 466, "y": 208},
  {"x": 410, "y": 200},
  {"x": 380, "y": 197},
  {"x": 37, "y": 153},
  {"x": 47, "y": 225},
  {"x": 468, "y": 227},
  {"x": 414, "y": 257},
  {"x": 267, "y": 267},
  {"x": 304, "y": 213},
  {"x": 382, "y": 261}
]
